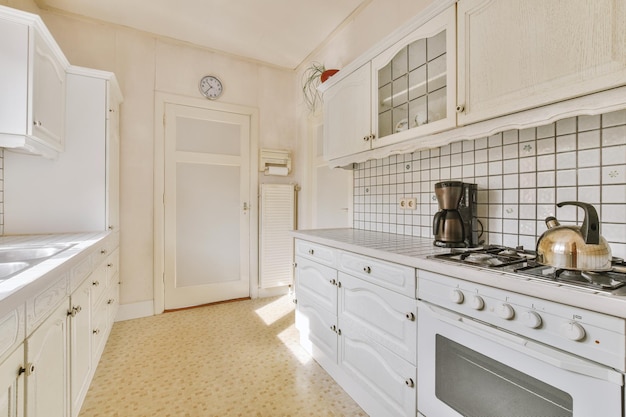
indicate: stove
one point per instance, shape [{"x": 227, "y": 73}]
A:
[{"x": 521, "y": 261}]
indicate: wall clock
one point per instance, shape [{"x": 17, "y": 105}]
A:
[{"x": 211, "y": 87}]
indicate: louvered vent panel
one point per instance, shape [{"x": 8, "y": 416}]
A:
[{"x": 276, "y": 247}]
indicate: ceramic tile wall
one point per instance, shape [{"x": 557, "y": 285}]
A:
[{"x": 521, "y": 175}]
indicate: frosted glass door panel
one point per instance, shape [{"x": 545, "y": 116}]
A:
[
  {"x": 207, "y": 136},
  {"x": 207, "y": 224},
  {"x": 207, "y": 219}
]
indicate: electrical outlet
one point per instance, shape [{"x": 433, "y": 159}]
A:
[{"x": 407, "y": 203}]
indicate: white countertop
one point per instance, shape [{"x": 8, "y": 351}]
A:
[
  {"x": 414, "y": 252},
  {"x": 18, "y": 288}
]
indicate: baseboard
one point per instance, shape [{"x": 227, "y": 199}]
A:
[
  {"x": 271, "y": 292},
  {"x": 135, "y": 310}
]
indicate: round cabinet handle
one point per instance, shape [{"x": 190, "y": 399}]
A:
[
  {"x": 109, "y": 265},
  {"x": 410, "y": 316},
  {"x": 78, "y": 309},
  {"x": 103, "y": 251},
  {"x": 409, "y": 382},
  {"x": 311, "y": 251},
  {"x": 460, "y": 108},
  {"x": 96, "y": 331},
  {"x": 110, "y": 301},
  {"x": 111, "y": 227},
  {"x": 366, "y": 138},
  {"x": 37, "y": 123},
  {"x": 95, "y": 283},
  {"x": 367, "y": 270},
  {"x": 372, "y": 136},
  {"x": 333, "y": 282},
  {"x": 338, "y": 332},
  {"x": 333, "y": 328},
  {"x": 31, "y": 369}
]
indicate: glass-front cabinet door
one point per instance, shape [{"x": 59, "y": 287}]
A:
[{"x": 414, "y": 83}]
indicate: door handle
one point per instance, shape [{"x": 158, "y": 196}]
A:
[{"x": 245, "y": 207}]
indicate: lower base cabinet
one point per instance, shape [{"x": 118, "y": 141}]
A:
[{"x": 362, "y": 334}]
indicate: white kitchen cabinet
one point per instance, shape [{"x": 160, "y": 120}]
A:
[
  {"x": 12, "y": 384},
  {"x": 81, "y": 364},
  {"x": 514, "y": 55},
  {"x": 32, "y": 106},
  {"x": 80, "y": 188},
  {"x": 47, "y": 366},
  {"x": 406, "y": 91},
  {"x": 347, "y": 115},
  {"x": 361, "y": 333}
]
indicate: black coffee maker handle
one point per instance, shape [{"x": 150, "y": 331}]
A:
[{"x": 440, "y": 216}]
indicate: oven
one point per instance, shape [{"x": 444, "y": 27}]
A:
[{"x": 486, "y": 352}]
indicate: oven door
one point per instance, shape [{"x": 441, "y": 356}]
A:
[{"x": 467, "y": 368}]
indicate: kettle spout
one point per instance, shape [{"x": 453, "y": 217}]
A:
[{"x": 552, "y": 222}]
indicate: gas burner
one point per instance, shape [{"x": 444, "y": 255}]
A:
[
  {"x": 491, "y": 256},
  {"x": 598, "y": 280}
]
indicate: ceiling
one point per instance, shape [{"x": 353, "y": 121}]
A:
[{"x": 277, "y": 32}]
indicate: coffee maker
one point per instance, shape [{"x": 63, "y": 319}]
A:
[{"x": 455, "y": 225}]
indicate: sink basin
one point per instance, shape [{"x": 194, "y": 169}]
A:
[
  {"x": 9, "y": 268},
  {"x": 28, "y": 253}
]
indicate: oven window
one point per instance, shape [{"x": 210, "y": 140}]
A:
[{"x": 477, "y": 386}]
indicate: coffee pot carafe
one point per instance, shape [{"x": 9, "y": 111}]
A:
[{"x": 456, "y": 223}]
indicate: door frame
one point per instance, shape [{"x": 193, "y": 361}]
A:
[{"x": 161, "y": 100}]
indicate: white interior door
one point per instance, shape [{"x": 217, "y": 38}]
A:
[{"x": 207, "y": 220}]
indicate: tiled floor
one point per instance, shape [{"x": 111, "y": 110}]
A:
[{"x": 233, "y": 359}]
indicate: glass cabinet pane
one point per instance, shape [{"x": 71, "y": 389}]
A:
[{"x": 412, "y": 86}]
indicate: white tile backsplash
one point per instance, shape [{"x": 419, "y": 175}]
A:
[{"x": 521, "y": 175}]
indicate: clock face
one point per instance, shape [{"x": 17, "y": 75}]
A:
[{"x": 211, "y": 87}]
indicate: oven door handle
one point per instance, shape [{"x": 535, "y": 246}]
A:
[{"x": 526, "y": 346}]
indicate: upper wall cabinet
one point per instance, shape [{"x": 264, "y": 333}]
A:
[
  {"x": 414, "y": 83},
  {"x": 514, "y": 55},
  {"x": 409, "y": 89},
  {"x": 33, "y": 82}
]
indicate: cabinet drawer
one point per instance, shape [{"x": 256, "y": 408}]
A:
[
  {"x": 318, "y": 283},
  {"x": 387, "y": 378},
  {"x": 395, "y": 277},
  {"x": 41, "y": 305},
  {"x": 11, "y": 331},
  {"x": 317, "y": 331},
  {"x": 381, "y": 316},
  {"x": 319, "y": 253}
]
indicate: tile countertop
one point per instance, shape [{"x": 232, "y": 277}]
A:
[
  {"x": 15, "y": 290},
  {"x": 414, "y": 252}
]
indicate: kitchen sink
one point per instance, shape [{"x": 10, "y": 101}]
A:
[
  {"x": 9, "y": 268},
  {"x": 29, "y": 253}
]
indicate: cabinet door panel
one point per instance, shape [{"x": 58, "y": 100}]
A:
[
  {"x": 381, "y": 316},
  {"x": 46, "y": 376},
  {"x": 347, "y": 118},
  {"x": 514, "y": 55},
  {"x": 12, "y": 385},
  {"x": 384, "y": 375},
  {"x": 318, "y": 283},
  {"x": 80, "y": 346},
  {"x": 317, "y": 336}
]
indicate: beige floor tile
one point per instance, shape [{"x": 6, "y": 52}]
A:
[{"x": 233, "y": 359}]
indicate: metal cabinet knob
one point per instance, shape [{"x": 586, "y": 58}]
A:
[
  {"x": 95, "y": 283},
  {"x": 367, "y": 270},
  {"x": 74, "y": 311},
  {"x": 410, "y": 316},
  {"x": 333, "y": 281},
  {"x": 460, "y": 108},
  {"x": 96, "y": 331},
  {"x": 110, "y": 301},
  {"x": 366, "y": 138},
  {"x": 37, "y": 122},
  {"x": 409, "y": 383},
  {"x": 311, "y": 251},
  {"x": 372, "y": 136}
]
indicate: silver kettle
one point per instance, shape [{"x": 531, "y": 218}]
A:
[{"x": 573, "y": 247}]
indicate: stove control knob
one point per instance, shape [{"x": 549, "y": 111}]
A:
[
  {"x": 456, "y": 296},
  {"x": 477, "y": 302},
  {"x": 531, "y": 319},
  {"x": 573, "y": 331},
  {"x": 505, "y": 311}
]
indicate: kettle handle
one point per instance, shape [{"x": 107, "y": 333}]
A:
[{"x": 590, "y": 229}]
